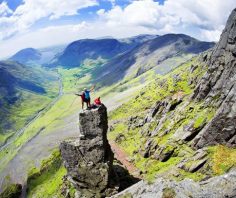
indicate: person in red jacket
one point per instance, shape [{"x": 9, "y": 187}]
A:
[{"x": 97, "y": 101}]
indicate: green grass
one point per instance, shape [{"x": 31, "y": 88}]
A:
[
  {"x": 46, "y": 181},
  {"x": 152, "y": 167}
]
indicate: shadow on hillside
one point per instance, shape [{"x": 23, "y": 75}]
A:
[{"x": 125, "y": 179}]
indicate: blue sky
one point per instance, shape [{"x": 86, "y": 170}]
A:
[{"x": 42, "y": 23}]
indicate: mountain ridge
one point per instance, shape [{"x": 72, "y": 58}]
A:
[{"x": 141, "y": 58}]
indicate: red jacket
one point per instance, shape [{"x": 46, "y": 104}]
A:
[{"x": 97, "y": 101}]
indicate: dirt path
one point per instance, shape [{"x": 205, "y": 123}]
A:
[{"x": 123, "y": 158}]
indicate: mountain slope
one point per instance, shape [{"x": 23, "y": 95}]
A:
[
  {"x": 78, "y": 51},
  {"x": 21, "y": 89},
  {"x": 31, "y": 56},
  {"x": 150, "y": 54},
  {"x": 26, "y": 55}
]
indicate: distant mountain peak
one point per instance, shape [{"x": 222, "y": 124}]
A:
[{"x": 26, "y": 55}]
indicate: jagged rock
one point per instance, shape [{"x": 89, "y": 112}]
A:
[
  {"x": 152, "y": 112},
  {"x": 194, "y": 163},
  {"x": 218, "y": 88},
  {"x": 89, "y": 159},
  {"x": 190, "y": 131},
  {"x": 135, "y": 122},
  {"x": 193, "y": 68},
  {"x": 173, "y": 104},
  {"x": 217, "y": 187},
  {"x": 149, "y": 148},
  {"x": 164, "y": 153},
  {"x": 93, "y": 123},
  {"x": 197, "y": 165}
]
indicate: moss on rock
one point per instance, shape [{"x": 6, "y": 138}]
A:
[{"x": 12, "y": 191}]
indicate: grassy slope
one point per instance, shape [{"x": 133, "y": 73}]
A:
[
  {"x": 47, "y": 180},
  {"x": 133, "y": 141}
]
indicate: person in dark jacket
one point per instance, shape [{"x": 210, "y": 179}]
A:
[{"x": 83, "y": 100}]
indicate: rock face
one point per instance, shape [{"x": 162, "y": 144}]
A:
[
  {"x": 217, "y": 187},
  {"x": 89, "y": 159},
  {"x": 218, "y": 88}
]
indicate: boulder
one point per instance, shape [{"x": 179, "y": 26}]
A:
[{"x": 89, "y": 159}]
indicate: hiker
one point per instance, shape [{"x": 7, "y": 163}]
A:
[
  {"x": 87, "y": 96},
  {"x": 97, "y": 102},
  {"x": 82, "y": 95}
]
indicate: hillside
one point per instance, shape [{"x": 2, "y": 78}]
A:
[
  {"x": 78, "y": 51},
  {"x": 31, "y": 56},
  {"x": 180, "y": 119},
  {"x": 26, "y": 55},
  {"x": 24, "y": 91},
  {"x": 161, "y": 53}
]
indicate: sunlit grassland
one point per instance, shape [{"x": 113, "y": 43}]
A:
[{"x": 75, "y": 79}]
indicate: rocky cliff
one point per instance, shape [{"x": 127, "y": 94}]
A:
[
  {"x": 218, "y": 88},
  {"x": 89, "y": 159}
]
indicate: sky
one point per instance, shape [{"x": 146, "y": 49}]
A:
[{"x": 44, "y": 23}]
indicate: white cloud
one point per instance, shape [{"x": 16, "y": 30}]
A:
[
  {"x": 4, "y": 9},
  {"x": 33, "y": 10},
  {"x": 176, "y": 16}
]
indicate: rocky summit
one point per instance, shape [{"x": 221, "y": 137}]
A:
[{"x": 89, "y": 159}]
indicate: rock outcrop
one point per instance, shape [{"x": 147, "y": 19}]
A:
[
  {"x": 218, "y": 88},
  {"x": 217, "y": 187},
  {"x": 89, "y": 159}
]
